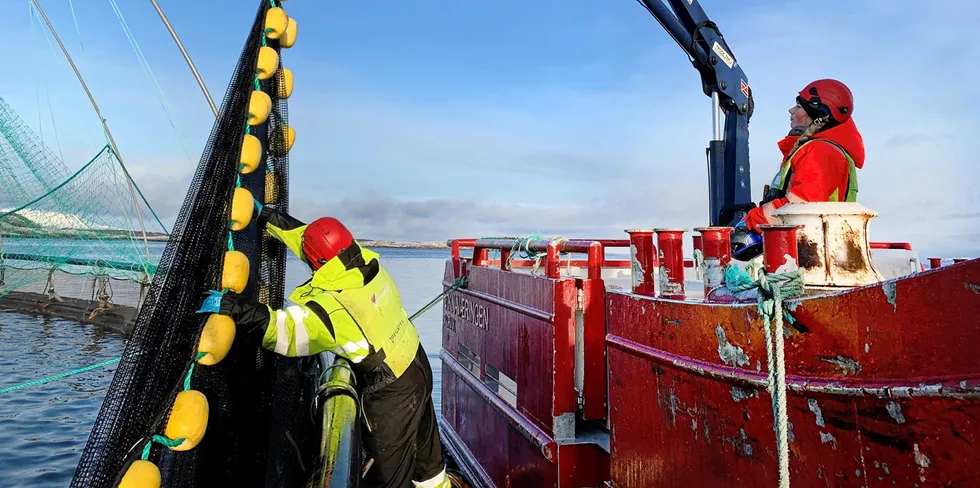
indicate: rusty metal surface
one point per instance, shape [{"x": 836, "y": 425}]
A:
[
  {"x": 884, "y": 388},
  {"x": 833, "y": 242}
]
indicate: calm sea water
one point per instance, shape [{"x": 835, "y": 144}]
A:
[{"x": 44, "y": 428}]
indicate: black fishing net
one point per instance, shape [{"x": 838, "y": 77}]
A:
[{"x": 259, "y": 430}]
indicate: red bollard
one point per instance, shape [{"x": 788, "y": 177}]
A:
[
  {"x": 958, "y": 260},
  {"x": 779, "y": 251},
  {"x": 671, "y": 244},
  {"x": 716, "y": 245},
  {"x": 698, "y": 242},
  {"x": 643, "y": 256},
  {"x": 935, "y": 263}
]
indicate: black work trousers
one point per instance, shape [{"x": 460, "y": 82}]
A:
[{"x": 404, "y": 436}]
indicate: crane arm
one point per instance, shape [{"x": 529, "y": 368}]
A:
[{"x": 729, "y": 185}]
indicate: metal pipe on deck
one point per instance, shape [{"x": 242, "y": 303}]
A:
[
  {"x": 671, "y": 244},
  {"x": 552, "y": 249},
  {"x": 340, "y": 448},
  {"x": 935, "y": 263}
]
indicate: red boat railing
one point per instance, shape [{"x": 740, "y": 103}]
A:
[
  {"x": 891, "y": 245},
  {"x": 593, "y": 249}
]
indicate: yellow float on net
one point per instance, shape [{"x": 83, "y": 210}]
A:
[
  {"x": 286, "y": 145},
  {"x": 275, "y": 22},
  {"x": 141, "y": 474},
  {"x": 216, "y": 339},
  {"x": 234, "y": 274},
  {"x": 259, "y": 107},
  {"x": 267, "y": 64},
  {"x": 271, "y": 188},
  {"x": 251, "y": 154},
  {"x": 285, "y": 83},
  {"x": 188, "y": 419},
  {"x": 242, "y": 208},
  {"x": 288, "y": 38}
]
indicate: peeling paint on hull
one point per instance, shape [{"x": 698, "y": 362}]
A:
[
  {"x": 883, "y": 386},
  {"x": 903, "y": 413}
]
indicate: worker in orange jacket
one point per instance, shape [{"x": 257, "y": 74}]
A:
[{"x": 821, "y": 156}]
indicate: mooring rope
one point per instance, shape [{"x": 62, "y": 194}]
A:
[
  {"x": 773, "y": 288},
  {"x": 59, "y": 376}
]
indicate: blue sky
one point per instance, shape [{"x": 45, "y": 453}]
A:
[{"x": 433, "y": 119}]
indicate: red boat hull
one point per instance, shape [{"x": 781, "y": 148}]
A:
[{"x": 884, "y": 387}]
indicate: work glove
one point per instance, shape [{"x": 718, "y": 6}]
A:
[
  {"x": 250, "y": 317},
  {"x": 754, "y": 219},
  {"x": 265, "y": 211}
]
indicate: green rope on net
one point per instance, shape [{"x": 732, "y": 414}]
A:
[
  {"x": 159, "y": 439},
  {"x": 162, "y": 440},
  {"x": 190, "y": 370}
]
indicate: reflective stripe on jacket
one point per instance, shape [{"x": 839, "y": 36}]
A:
[{"x": 350, "y": 306}]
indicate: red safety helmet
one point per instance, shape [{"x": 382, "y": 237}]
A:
[
  {"x": 324, "y": 239},
  {"x": 827, "y": 97}
]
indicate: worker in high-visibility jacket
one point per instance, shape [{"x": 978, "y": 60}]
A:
[
  {"x": 821, "y": 156},
  {"x": 352, "y": 307}
]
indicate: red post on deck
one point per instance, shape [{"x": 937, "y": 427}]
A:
[
  {"x": 779, "y": 251},
  {"x": 935, "y": 263},
  {"x": 671, "y": 244},
  {"x": 716, "y": 245},
  {"x": 456, "y": 246},
  {"x": 552, "y": 266},
  {"x": 643, "y": 256}
]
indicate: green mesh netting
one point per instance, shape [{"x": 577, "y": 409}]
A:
[{"x": 88, "y": 221}]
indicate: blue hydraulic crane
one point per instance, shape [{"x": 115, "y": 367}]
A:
[{"x": 729, "y": 185}]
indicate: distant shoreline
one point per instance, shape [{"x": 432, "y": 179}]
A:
[{"x": 370, "y": 243}]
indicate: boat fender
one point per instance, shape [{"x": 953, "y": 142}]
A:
[
  {"x": 141, "y": 474},
  {"x": 285, "y": 83},
  {"x": 251, "y": 154},
  {"x": 259, "y": 107},
  {"x": 242, "y": 208},
  {"x": 288, "y": 37},
  {"x": 216, "y": 339},
  {"x": 275, "y": 22},
  {"x": 234, "y": 273},
  {"x": 188, "y": 419},
  {"x": 267, "y": 64}
]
